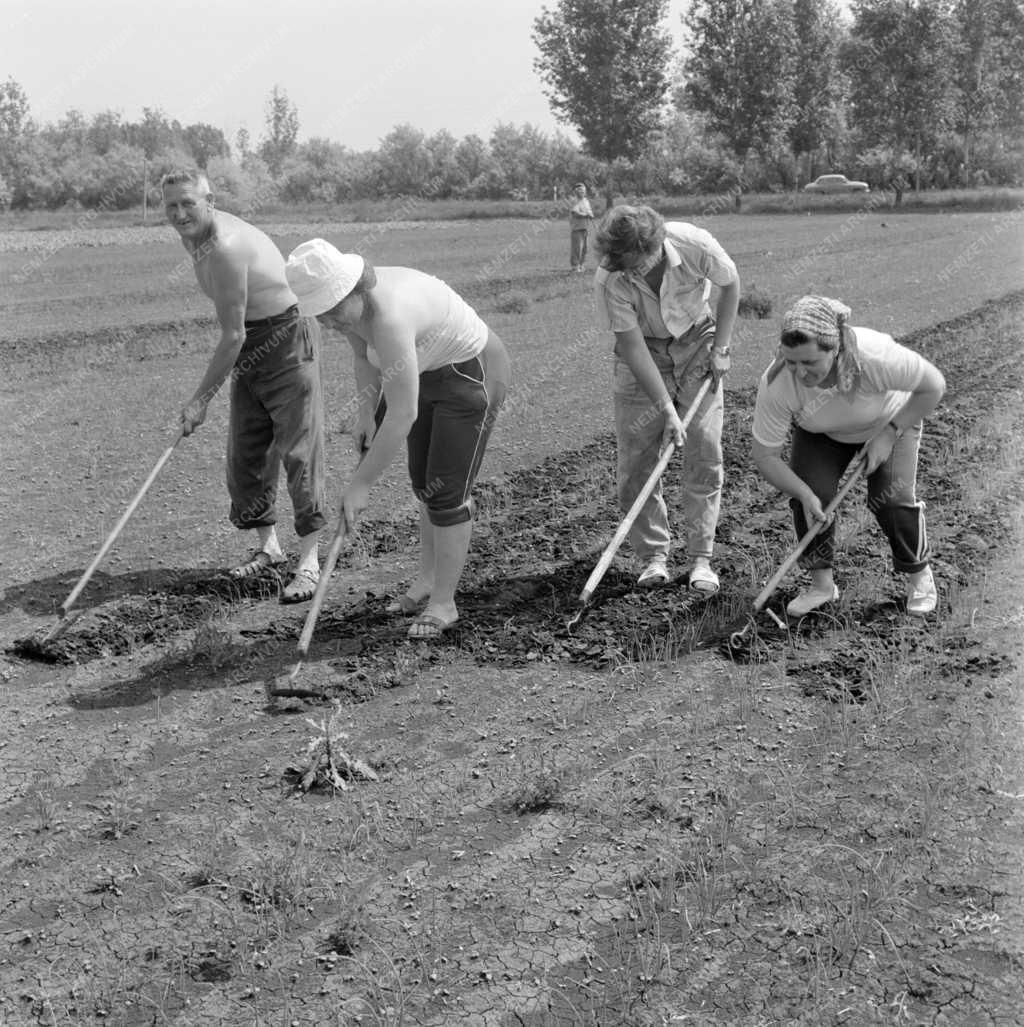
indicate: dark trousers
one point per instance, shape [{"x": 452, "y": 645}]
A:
[
  {"x": 277, "y": 418},
  {"x": 820, "y": 461},
  {"x": 578, "y": 247}
]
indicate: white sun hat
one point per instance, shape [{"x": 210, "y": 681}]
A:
[{"x": 321, "y": 276}]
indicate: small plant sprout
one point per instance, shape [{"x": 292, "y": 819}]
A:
[{"x": 326, "y": 763}]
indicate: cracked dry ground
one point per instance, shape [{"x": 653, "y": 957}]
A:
[{"x": 613, "y": 825}]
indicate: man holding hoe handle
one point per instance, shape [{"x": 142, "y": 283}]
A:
[{"x": 272, "y": 356}]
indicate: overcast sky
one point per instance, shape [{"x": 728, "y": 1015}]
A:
[{"x": 354, "y": 68}]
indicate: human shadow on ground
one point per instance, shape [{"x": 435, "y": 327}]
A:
[
  {"x": 221, "y": 664},
  {"x": 130, "y": 610},
  {"x": 219, "y": 658},
  {"x": 359, "y": 649},
  {"x": 43, "y": 596}
]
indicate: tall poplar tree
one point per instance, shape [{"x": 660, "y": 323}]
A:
[
  {"x": 282, "y": 121},
  {"x": 740, "y": 70},
  {"x": 899, "y": 61},
  {"x": 988, "y": 73},
  {"x": 606, "y": 68},
  {"x": 817, "y": 78}
]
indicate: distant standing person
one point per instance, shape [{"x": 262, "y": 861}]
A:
[
  {"x": 843, "y": 388},
  {"x": 580, "y": 216},
  {"x": 428, "y": 373},
  {"x": 652, "y": 289},
  {"x": 273, "y": 358}
]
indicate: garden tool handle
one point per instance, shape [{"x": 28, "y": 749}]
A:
[
  {"x": 321, "y": 586},
  {"x": 340, "y": 534},
  {"x": 773, "y": 582},
  {"x": 111, "y": 538},
  {"x": 627, "y": 522}
]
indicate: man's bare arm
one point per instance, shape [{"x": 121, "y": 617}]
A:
[{"x": 229, "y": 281}]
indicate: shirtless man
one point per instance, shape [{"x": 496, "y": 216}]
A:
[{"x": 272, "y": 355}]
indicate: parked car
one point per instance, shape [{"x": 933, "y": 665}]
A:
[{"x": 835, "y": 184}]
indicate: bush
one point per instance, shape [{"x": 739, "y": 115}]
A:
[
  {"x": 112, "y": 181},
  {"x": 244, "y": 189},
  {"x": 755, "y": 303}
]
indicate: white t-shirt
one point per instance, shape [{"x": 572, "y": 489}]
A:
[{"x": 889, "y": 373}]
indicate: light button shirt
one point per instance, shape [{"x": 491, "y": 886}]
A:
[
  {"x": 695, "y": 260},
  {"x": 580, "y": 214}
]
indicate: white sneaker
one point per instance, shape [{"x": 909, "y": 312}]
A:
[
  {"x": 654, "y": 575},
  {"x": 922, "y": 595},
  {"x": 810, "y": 599}
]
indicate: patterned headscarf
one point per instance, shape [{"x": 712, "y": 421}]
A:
[
  {"x": 823, "y": 320},
  {"x": 818, "y": 317}
]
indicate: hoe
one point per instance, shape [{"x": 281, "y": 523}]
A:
[
  {"x": 738, "y": 640},
  {"x": 285, "y": 685},
  {"x": 38, "y": 647},
  {"x": 627, "y": 522}
]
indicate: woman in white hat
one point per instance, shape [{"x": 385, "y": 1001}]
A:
[
  {"x": 843, "y": 389},
  {"x": 428, "y": 372}
]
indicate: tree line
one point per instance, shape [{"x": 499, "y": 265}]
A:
[
  {"x": 765, "y": 95},
  {"x": 769, "y": 93}
]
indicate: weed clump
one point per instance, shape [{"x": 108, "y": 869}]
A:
[
  {"x": 537, "y": 792},
  {"x": 325, "y": 763},
  {"x": 213, "y": 640},
  {"x": 755, "y": 303},
  {"x": 350, "y": 929}
]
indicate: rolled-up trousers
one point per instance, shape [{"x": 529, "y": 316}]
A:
[
  {"x": 277, "y": 418},
  {"x": 820, "y": 461},
  {"x": 683, "y": 364}
]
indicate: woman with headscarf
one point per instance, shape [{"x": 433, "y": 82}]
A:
[{"x": 843, "y": 389}]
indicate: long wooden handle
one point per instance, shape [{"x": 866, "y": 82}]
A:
[
  {"x": 773, "y": 582},
  {"x": 627, "y": 522},
  {"x": 132, "y": 506},
  {"x": 321, "y": 586}
]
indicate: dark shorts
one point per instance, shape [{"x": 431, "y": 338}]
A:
[
  {"x": 447, "y": 442},
  {"x": 458, "y": 405}
]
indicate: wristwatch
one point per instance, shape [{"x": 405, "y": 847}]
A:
[{"x": 722, "y": 351}]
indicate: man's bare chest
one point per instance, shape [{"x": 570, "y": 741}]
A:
[
  {"x": 202, "y": 265},
  {"x": 205, "y": 280}
]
